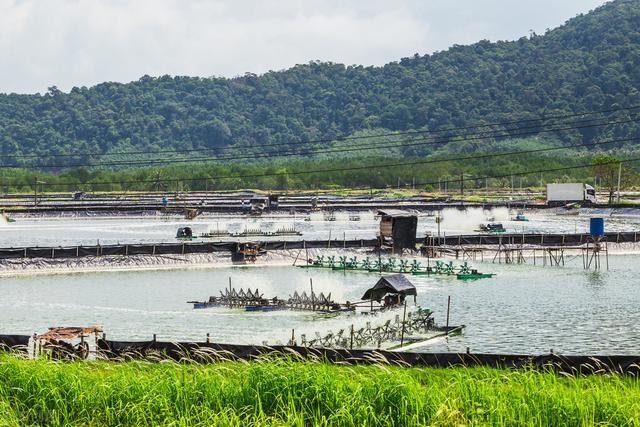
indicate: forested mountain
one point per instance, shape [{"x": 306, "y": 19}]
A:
[{"x": 590, "y": 63}]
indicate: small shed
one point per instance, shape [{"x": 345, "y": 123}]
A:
[
  {"x": 272, "y": 201},
  {"x": 395, "y": 285},
  {"x": 398, "y": 229}
]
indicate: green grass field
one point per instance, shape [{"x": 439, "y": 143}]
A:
[{"x": 305, "y": 393}]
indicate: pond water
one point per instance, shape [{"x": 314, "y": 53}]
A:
[
  {"x": 524, "y": 309},
  {"x": 84, "y": 231}
]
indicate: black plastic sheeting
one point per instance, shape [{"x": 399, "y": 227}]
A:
[
  {"x": 13, "y": 341},
  {"x": 529, "y": 239},
  {"x": 171, "y": 248},
  {"x": 210, "y": 352},
  {"x": 206, "y": 352}
]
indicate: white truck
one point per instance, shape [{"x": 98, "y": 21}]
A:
[{"x": 567, "y": 193}]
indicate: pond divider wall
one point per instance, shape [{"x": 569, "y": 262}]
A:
[
  {"x": 539, "y": 239},
  {"x": 182, "y": 248},
  {"x": 210, "y": 352},
  {"x": 172, "y": 248}
]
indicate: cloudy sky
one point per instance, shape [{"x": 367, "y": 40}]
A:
[{"x": 70, "y": 43}]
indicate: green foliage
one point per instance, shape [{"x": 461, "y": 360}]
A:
[
  {"x": 299, "y": 174},
  {"x": 284, "y": 392},
  {"x": 591, "y": 63}
]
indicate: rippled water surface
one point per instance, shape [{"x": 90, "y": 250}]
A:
[
  {"x": 89, "y": 231},
  {"x": 524, "y": 309}
]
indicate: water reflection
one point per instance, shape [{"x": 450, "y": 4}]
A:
[{"x": 596, "y": 279}]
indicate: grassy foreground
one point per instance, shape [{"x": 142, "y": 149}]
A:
[{"x": 305, "y": 393}]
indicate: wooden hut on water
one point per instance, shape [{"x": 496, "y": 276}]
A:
[{"x": 398, "y": 229}]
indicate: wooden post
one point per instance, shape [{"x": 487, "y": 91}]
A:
[
  {"x": 313, "y": 298},
  {"x": 351, "y": 343},
  {"x": 154, "y": 337},
  {"x": 448, "y": 309},
  {"x": 404, "y": 316}
]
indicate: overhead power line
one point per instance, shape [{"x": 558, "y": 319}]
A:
[
  {"x": 521, "y": 173},
  {"x": 347, "y": 169},
  {"x": 336, "y": 139},
  {"x": 398, "y": 144}
]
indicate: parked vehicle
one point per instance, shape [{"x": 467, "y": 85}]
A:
[{"x": 561, "y": 194}]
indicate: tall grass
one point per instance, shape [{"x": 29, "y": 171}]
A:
[{"x": 285, "y": 392}]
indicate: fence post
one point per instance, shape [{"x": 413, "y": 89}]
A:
[
  {"x": 448, "y": 309},
  {"x": 351, "y": 344}
]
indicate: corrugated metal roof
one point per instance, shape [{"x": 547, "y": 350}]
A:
[
  {"x": 395, "y": 283},
  {"x": 396, "y": 213}
]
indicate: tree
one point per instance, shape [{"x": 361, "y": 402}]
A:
[{"x": 606, "y": 167}]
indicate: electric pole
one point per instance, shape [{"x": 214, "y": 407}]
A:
[{"x": 619, "y": 177}]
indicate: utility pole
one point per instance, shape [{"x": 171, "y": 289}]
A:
[
  {"x": 35, "y": 191},
  {"x": 619, "y": 178}
]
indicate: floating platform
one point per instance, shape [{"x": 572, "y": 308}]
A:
[{"x": 393, "y": 265}]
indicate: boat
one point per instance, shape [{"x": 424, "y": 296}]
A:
[
  {"x": 491, "y": 228},
  {"x": 474, "y": 275},
  {"x": 520, "y": 217}
]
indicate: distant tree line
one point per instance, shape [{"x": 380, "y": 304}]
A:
[{"x": 591, "y": 63}]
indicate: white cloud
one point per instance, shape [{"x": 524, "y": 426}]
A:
[{"x": 83, "y": 42}]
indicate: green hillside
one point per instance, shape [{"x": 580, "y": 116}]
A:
[{"x": 590, "y": 63}]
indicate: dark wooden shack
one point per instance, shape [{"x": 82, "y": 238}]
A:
[
  {"x": 398, "y": 229},
  {"x": 396, "y": 285},
  {"x": 273, "y": 201}
]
